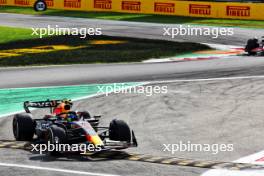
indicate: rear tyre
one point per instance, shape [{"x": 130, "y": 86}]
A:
[
  {"x": 56, "y": 135},
  {"x": 40, "y": 5},
  {"x": 23, "y": 127},
  {"x": 85, "y": 115},
  {"x": 119, "y": 131}
]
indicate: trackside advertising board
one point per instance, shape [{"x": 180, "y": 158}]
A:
[{"x": 253, "y": 11}]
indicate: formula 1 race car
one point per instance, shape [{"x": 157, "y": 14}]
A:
[
  {"x": 254, "y": 48},
  {"x": 70, "y": 128}
]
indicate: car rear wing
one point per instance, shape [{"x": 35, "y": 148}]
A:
[{"x": 41, "y": 104}]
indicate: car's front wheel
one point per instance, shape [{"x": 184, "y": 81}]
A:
[
  {"x": 119, "y": 131},
  {"x": 56, "y": 135}
]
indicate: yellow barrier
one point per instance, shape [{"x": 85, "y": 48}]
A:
[
  {"x": 254, "y": 11},
  {"x": 16, "y": 2}
]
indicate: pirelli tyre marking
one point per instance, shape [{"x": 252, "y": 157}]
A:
[{"x": 146, "y": 158}]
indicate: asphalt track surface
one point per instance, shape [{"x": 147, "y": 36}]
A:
[
  {"x": 210, "y": 112},
  {"x": 130, "y": 29},
  {"x": 105, "y": 73},
  {"x": 226, "y": 111}
]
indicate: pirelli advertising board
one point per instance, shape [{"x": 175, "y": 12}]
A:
[
  {"x": 16, "y": 2},
  {"x": 166, "y": 7}
]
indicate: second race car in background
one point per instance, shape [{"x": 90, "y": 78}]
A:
[{"x": 255, "y": 46}]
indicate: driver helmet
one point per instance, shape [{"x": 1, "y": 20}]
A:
[
  {"x": 255, "y": 39},
  {"x": 63, "y": 107}
]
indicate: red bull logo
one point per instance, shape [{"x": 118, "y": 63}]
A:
[
  {"x": 3, "y": 1},
  {"x": 21, "y": 2},
  {"x": 131, "y": 5},
  {"x": 72, "y": 3},
  {"x": 50, "y": 3},
  {"x": 164, "y": 7},
  {"x": 238, "y": 11},
  {"x": 103, "y": 4},
  {"x": 198, "y": 9}
]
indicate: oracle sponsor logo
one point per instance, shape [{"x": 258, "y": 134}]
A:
[
  {"x": 131, "y": 5},
  {"x": 3, "y": 1},
  {"x": 164, "y": 7},
  {"x": 103, "y": 4},
  {"x": 21, "y": 2},
  {"x": 50, "y": 3},
  {"x": 72, "y": 3},
  {"x": 199, "y": 9},
  {"x": 238, "y": 11}
]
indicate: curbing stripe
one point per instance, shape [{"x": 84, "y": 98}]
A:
[{"x": 147, "y": 158}]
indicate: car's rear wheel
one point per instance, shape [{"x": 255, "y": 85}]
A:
[
  {"x": 40, "y": 5},
  {"x": 119, "y": 131},
  {"x": 23, "y": 127},
  {"x": 56, "y": 135},
  {"x": 85, "y": 115}
]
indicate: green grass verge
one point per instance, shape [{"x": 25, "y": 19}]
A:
[
  {"x": 93, "y": 49},
  {"x": 8, "y": 34},
  {"x": 139, "y": 17}
]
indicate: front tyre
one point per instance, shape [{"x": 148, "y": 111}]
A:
[
  {"x": 119, "y": 131},
  {"x": 40, "y": 5},
  {"x": 23, "y": 127},
  {"x": 56, "y": 135}
]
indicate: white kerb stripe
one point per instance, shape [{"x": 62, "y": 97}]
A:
[
  {"x": 257, "y": 158},
  {"x": 53, "y": 169}
]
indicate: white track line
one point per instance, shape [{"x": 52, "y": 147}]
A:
[
  {"x": 54, "y": 169},
  {"x": 208, "y": 79},
  {"x": 145, "y": 83},
  {"x": 153, "y": 82},
  {"x": 72, "y": 85}
]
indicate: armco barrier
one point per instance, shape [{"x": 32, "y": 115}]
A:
[{"x": 254, "y": 11}]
